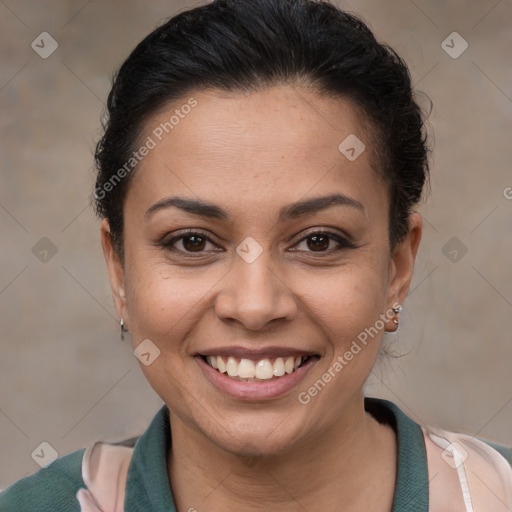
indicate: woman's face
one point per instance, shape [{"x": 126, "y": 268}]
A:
[{"x": 290, "y": 258}]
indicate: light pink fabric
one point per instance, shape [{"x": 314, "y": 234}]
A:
[
  {"x": 465, "y": 475},
  {"x": 87, "y": 501},
  {"x": 104, "y": 471}
]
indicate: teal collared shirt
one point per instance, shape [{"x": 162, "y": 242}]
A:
[{"x": 54, "y": 488}]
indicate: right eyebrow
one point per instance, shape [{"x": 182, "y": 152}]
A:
[{"x": 193, "y": 206}]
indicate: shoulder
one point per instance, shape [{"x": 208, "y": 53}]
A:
[
  {"x": 51, "y": 489},
  {"x": 494, "y": 454},
  {"x": 503, "y": 450},
  {"x": 446, "y": 471},
  {"x": 481, "y": 470}
]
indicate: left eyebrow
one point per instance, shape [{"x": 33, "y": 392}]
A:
[{"x": 291, "y": 211}]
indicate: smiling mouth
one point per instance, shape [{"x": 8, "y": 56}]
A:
[{"x": 263, "y": 370}]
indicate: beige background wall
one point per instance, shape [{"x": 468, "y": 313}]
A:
[{"x": 65, "y": 377}]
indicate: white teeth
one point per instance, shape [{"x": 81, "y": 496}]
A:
[
  {"x": 232, "y": 367},
  {"x": 246, "y": 369},
  {"x": 264, "y": 369},
  {"x": 221, "y": 364},
  {"x": 261, "y": 370},
  {"x": 279, "y": 367}
]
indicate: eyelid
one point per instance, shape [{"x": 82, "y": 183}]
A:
[
  {"x": 180, "y": 235},
  {"x": 343, "y": 242},
  {"x": 187, "y": 232},
  {"x": 327, "y": 231}
]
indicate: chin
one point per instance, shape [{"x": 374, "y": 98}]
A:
[{"x": 261, "y": 434}]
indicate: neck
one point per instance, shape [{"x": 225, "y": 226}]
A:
[{"x": 352, "y": 463}]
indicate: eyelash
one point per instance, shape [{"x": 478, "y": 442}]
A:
[{"x": 343, "y": 242}]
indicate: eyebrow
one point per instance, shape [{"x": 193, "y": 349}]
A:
[{"x": 292, "y": 211}]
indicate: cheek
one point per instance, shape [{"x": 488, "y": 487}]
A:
[
  {"x": 347, "y": 301},
  {"x": 164, "y": 308},
  {"x": 161, "y": 305},
  {"x": 165, "y": 303}
]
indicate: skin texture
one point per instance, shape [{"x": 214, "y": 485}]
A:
[{"x": 253, "y": 154}]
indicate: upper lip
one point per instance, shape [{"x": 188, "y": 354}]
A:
[{"x": 255, "y": 353}]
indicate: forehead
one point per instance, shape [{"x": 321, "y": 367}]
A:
[{"x": 282, "y": 140}]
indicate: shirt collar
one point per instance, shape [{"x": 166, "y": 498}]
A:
[
  {"x": 411, "y": 489},
  {"x": 148, "y": 482}
]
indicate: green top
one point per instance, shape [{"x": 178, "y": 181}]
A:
[{"x": 53, "y": 489}]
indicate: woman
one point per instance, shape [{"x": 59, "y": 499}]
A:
[{"x": 256, "y": 184}]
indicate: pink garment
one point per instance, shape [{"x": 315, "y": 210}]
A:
[
  {"x": 465, "y": 475},
  {"x": 104, "y": 471}
]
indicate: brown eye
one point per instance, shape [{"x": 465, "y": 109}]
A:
[
  {"x": 189, "y": 242},
  {"x": 318, "y": 242},
  {"x": 193, "y": 243}
]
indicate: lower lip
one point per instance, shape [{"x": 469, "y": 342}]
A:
[{"x": 255, "y": 390}]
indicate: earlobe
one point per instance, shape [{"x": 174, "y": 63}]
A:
[{"x": 115, "y": 270}]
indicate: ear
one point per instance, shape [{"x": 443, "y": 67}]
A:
[
  {"x": 402, "y": 264},
  {"x": 115, "y": 270}
]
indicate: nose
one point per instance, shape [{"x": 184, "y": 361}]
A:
[{"x": 253, "y": 294}]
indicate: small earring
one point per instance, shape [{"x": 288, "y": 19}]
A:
[
  {"x": 397, "y": 311},
  {"x": 123, "y": 329}
]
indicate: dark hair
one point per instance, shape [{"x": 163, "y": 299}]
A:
[{"x": 247, "y": 45}]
